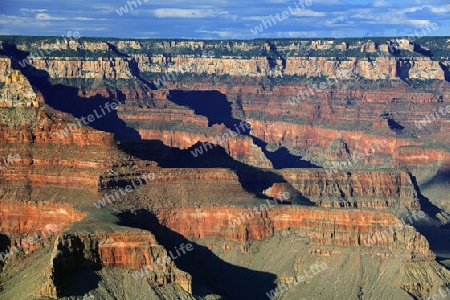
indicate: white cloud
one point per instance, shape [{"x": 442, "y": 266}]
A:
[
  {"x": 225, "y": 34},
  {"x": 103, "y": 8},
  {"x": 254, "y": 18},
  {"x": 47, "y": 17},
  {"x": 335, "y": 20},
  {"x": 23, "y": 22},
  {"x": 308, "y": 13},
  {"x": 327, "y": 2},
  {"x": 294, "y": 34},
  {"x": 89, "y": 19},
  {"x": 419, "y": 22},
  {"x": 28, "y": 10},
  {"x": 301, "y": 13},
  {"x": 84, "y": 19},
  {"x": 98, "y": 28},
  {"x": 146, "y": 33},
  {"x": 412, "y": 9},
  {"x": 185, "y": 13},
  {"x": 374, "y": 16},
  {"x": 381, "y": 3},
  {"x": 440, "y": 9},
  {"x": 227, "y": 18}
]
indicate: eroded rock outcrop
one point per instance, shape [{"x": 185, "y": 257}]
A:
[
  {"x": 132, "y": 250},
  {"x": 17, "y": 92},
  {"x": 27, "y": 217},
  {"x": 345, "y": 228}
]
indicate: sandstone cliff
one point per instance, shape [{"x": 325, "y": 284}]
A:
[{"x": 373, "y": 99}]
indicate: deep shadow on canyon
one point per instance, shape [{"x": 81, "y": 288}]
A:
[
  {"x": 4, "y": 243},
  {"x": 66, "y": 98},
  {"x": 206, "y": 268},
  {"x": 438, "y": 235},
  {"x": 217, "y": 109},
  {"x": 252, "y": 179},
  {"x": 215, "y": 106}
]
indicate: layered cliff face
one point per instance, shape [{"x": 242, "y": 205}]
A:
[
  {"x": 132, "y": 250},
  {"x": 24, "y": 219},
  {"x": 172, "y": 187},
  {"x": 193, "y": 216},
  {"x": 363, "y": 58},
  {"x": 277, "y": 238},
  {"x": 32, "y": 228},
  {"x": 343, "y": 108},
  {"x": 375, "y": 189},
  {"x": 171, "y": 103},
  {"x": 32, "y": 133},
  {"x": 50, "y": 165},
  {"x": 344, "y": 228},
  {"x": 380, "y": 68},
  {"x": 312, "y": 126}
]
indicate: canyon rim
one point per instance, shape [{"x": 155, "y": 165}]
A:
[{"x": 331, "y": 151}]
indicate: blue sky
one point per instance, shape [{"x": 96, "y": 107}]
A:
[{"x": 224, "y": 19}]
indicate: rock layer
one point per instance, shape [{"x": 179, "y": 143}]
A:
[
  {"x": 132, "y": 250},
  {"x": 346, "y": 228}
]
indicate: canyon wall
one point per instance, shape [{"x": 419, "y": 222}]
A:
[
  {"x": 345, "y": 228},
  {"x": 352, "y": 107},
  {"x": 378, "y": 64},
  {"x": 374, "y": 189},
  {"x": 133, "y": 250},
  {"x": 32, "y": 226},
  {"x": 58, "y": 176}
]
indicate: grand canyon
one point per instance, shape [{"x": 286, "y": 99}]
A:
[{"x": 224, "y": 169}]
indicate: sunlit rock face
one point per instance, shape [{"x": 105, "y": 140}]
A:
[
  {"x": 302, "y": 154},
  {"x": 17, "y": 92}
]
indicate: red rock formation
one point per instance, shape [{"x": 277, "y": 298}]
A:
[
  {"x": 348, "y": 110},
  {"x": 31, "y": 225},
  {"x": 358, "y": 189},
  {"x": 379, "y": 189},
  {"x": 132, "y": 250},
  {"x": 312, "y": 127},
  {"x": 26, "y": 218},
  {"x": 326, "y": 127},
  {"x": 339, "y": 227},
  {"x": 413, "y": 156}
]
